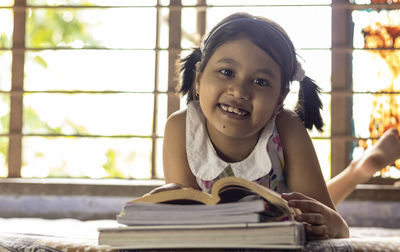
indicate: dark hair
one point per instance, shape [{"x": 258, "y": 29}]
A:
[{"x": 271, "y": 38}]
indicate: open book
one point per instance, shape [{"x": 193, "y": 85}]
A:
[
  {"x": 236, "y": 214},
  {"x": 232, "y": 200}
]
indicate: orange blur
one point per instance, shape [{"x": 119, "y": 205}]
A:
[{"x": 385, "y": 113}]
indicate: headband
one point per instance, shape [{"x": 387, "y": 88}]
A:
[{"x": 299, "y": 73}]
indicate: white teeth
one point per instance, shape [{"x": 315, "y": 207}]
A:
[
  {"x": 233, "y": 110},
  {"x": 224, "y": 107}
]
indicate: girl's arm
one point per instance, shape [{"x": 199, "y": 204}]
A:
[
  {"x": 176, "y": 167},
  {"x": 343, "y": 184},
  {"x": 302, "y": 169},
  {"x": 303, "y": 175}
]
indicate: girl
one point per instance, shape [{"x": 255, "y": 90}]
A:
[{"x": 234, "y": 124}]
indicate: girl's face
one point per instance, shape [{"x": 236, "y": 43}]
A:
[{"x": 239, "y": 90}]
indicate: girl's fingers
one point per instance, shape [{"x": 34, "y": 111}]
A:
[
  {"x": 320, "y": 231},
  {"x": 308, "y": 206},
  {"x": 313, "y": 238},
  {"x": 295, "y": 195},
  {"x": 166, "y": 187},
  {"x": 303, "y": 202},
  {"x": 311, "y": 218}
]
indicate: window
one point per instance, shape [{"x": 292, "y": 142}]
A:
[
  {"x": 375, "y": 75},
  {"x": 86, "y": 85},
  {"x": 375, "y": 72},
  {"x": 85, "y": 98}
]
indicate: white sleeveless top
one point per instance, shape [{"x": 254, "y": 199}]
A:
[{"x": 263, "y": 165}]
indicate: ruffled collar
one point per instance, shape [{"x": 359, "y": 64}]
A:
[{"x": 203, "y": 158}]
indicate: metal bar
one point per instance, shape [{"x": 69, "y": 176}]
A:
[
  {"x": 172, "y": 7},
  {"x": 343, "y": 5},
  {"x": 201, "y": 18},
  {"x": 175, "y": 32},
  {"x": 338, "y": 6},
  {"x": 79, "y": 135},
  {"x": 155, "y": 104},
  {"x": 349, "y": 93},
  {"x": 336, "y": 49},
  {"x": 342, "y": 138},
  {"x": 348, "y": 6},
  {"x": 83, "y": 92},
  {"x": 91, "y": 48},
  {"x": 341, "y": 114},
  {"x": 16, "y": 103}
]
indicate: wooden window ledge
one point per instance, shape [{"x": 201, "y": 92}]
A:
[{"x": 88, "y": 199}]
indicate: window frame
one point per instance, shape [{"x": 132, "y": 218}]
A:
[
  {"x": 17, "y": 91},
  {"x": 342, "y": 138},
  {"x": 341, "y": 93}
]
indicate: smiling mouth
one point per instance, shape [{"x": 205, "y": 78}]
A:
[{"x": 234, "y": 110}]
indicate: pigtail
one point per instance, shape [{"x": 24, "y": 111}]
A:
[
  {"x": 188, "y": 74},
  {"x": 309, "y": 104}
]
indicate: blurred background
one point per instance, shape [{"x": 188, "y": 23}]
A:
[{"x": 86, "y": 86}]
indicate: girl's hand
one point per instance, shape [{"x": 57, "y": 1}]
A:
[
  {"x": 321, "y": 222},
  {"x": 166, "y": 187}
]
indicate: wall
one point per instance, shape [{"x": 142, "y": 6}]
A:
[{"x": 69, "y": 198}]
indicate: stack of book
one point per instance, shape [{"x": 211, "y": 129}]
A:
[
  {"x": 169, "y": 214},
  {"x": 237, "y": 214}
]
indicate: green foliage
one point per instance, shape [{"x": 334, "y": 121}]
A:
[
  {"x": 5, "y": 120},
  {"x": 33, "y": 123},
  {"x": 77, "y": 129},
  {"x": 4, "y": 41},
  {"x": 60, "y": 2},
  {"x": 110, "y": 165},
  {"x": 4, "y": 124},
  {"x": 48, "y": 28},
  {"x": 54, "y": 28},
  {"x": 4, "y": 148},
  {"x": 38, "y": 59}
]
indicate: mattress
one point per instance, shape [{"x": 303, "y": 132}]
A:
[{"x": 35, "y": 234}]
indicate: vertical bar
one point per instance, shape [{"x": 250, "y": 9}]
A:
[
  {"x": 201, "y": 17},
  {"x": 173, "y": 54},
  {"x": 16, "y": 105},
  {"x": 155, "y": 108},
  {"x": 341, "y": 106}
]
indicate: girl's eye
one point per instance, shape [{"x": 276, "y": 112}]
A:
[
  {"x": 261, "y": 82},
  {"x": 226, "y": 72}
]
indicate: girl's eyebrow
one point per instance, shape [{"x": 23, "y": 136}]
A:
[
  {"x": 235, "y": 63},
  {"x": 228, "y": 60},
  {"x": 266, "y": 71}
]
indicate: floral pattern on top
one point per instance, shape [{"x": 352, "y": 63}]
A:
[{"x": 274, "y": 180}]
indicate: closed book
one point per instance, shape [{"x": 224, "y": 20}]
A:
[{"x": 277, "y": 235}]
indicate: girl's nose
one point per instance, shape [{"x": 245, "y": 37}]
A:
[{"x": 239, "y": 90}]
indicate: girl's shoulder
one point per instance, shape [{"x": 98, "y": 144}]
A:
[
  {"x": 175, "y": 163},
  {"x": 289, "y": 124},
  {"x": 191, "y": 114},
  {"x": 177, "y": 119},
  {"x": 174, "y": 128},
  {"x": 286, "y": 118},
  {"x": 287, "y": 115}
]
